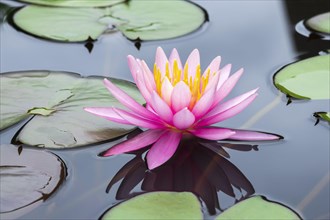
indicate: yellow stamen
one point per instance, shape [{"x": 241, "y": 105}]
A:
[
  {"x": 176, "y": 73},
  {"x": 197, "y": 83}
]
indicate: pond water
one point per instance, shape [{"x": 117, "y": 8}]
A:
[{"x": 257, "y": 35}]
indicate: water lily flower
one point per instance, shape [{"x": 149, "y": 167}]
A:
[{"x": 179, "y": 100}]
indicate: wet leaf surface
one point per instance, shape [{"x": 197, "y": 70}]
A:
[
  {"x": 56, "y": 101},
  {"x": 319, "y": 23},
  {"x": 195, "y": 167},
  {"x": 158, "y": 205},
  {"x": 144, "y": 20},
  {"x": 27, "y": 177},
  {"x": 325, "y": 116},
  {"x": 258, "y": 207},
  {"x": 74, "y": 3},
  {"x": 305, "y": 79}
]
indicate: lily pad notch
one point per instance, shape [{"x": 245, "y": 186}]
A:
[
  {"x": 305, "y": 79},
  {"x": 56, "y": 101},
  {"x": 137, "y": 20}
]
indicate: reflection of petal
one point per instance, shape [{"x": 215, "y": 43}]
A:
[
  {"x": 163, "y": 149},
  {"x": 193, "y": 168},
  {"x": 242, "y": 135},
  {"x": 213, "y": 133},
  {"x": 240, "y": 147},
  {"x": 123, "y": 172},
  {"x": 216, "y": 147},
  {"x": 213, "y": 171},
  {"x": 142, "y": 140},
  {"x": 130, "y": 181},
  {"x": 236, "y": 177}
]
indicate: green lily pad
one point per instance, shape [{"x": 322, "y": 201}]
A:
[
  {"x": 258, "y": 207},
  {"x": 56, "y": 100},
  {"x": 27, "y": 177},
  {"x": 320, "y": 23},
  {"x": 143, "y": 20},
  {"x": 74, "y": 3},
  {"x": 305, "y": 79},
  {"x": 323, "y": 115},
  {"x": 157, "y": 205}
]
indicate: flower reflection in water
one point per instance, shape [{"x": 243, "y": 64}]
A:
[{"x": 198, "y": 166}]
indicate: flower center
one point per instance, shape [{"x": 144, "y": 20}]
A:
[{"x": 196, "y": 82}]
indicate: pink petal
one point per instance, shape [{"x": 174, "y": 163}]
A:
[
  {"x": 166, "y": 91},
  {"x": 193, "y": 61},
  {"x": 175, "y": 56},
  {"x": 227, "y": 86},
  {"x": 161, "y": 107},
  {"x": 142, "y": 140},
  {"x": 161, "y": 60},
  {"x": 224, "y": 74},
  {"x": 183, "y": 119},
  {"x": 147, "y": 76},
  {"x": 213, "y": 82},
  {"x": 181, "y": 96},
  {"x": 204, "y": 104},
  {"x": 228, "y": 113},
  {"x": 214, "y": 65},
  {"x": 213, "y": 133},
  {"x": 143, "y": 89},
  {"x": 163, "y": 149},
  {"x": 137, "y": 120},
  {"x": 127, "y": 101},
  {"x": 107, "y": 113},
  {"x": 243, "y": 135},
  {"x": 134, "y": 67},
  {"x": 221, "y": 107}
]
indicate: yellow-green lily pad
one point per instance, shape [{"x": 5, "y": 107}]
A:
[
  {"x": 56, "y": 101},
  {"x": 157, "y": 205},
  {"x": 136, "y": 19},
  {"x": 258, "y": 208},
  {"x": 74, "y": 3},
  {"x": 305, "y": 79},
  {"x": 319, "y": 23}
]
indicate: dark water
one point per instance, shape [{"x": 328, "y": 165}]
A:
[{"x": 257, "y": 35}]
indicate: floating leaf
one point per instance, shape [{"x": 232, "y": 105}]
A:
[
  {"x": 320, "y": 23},
  {"x": 158, "y": 205},
  {"x": 258, "y": 207},
  {"x": 305, "y": 79},
  {"x": 144, "y": 20},
  {"x": 322, "y": 115},
  {"x": 74, "y": 3},
  {"x": 57, "y": 99},
  {"x": 156, "y": 20},
  {"x": 27, "y": 177}
]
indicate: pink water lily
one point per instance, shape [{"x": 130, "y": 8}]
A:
[{"x": 179, "y": 100}]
